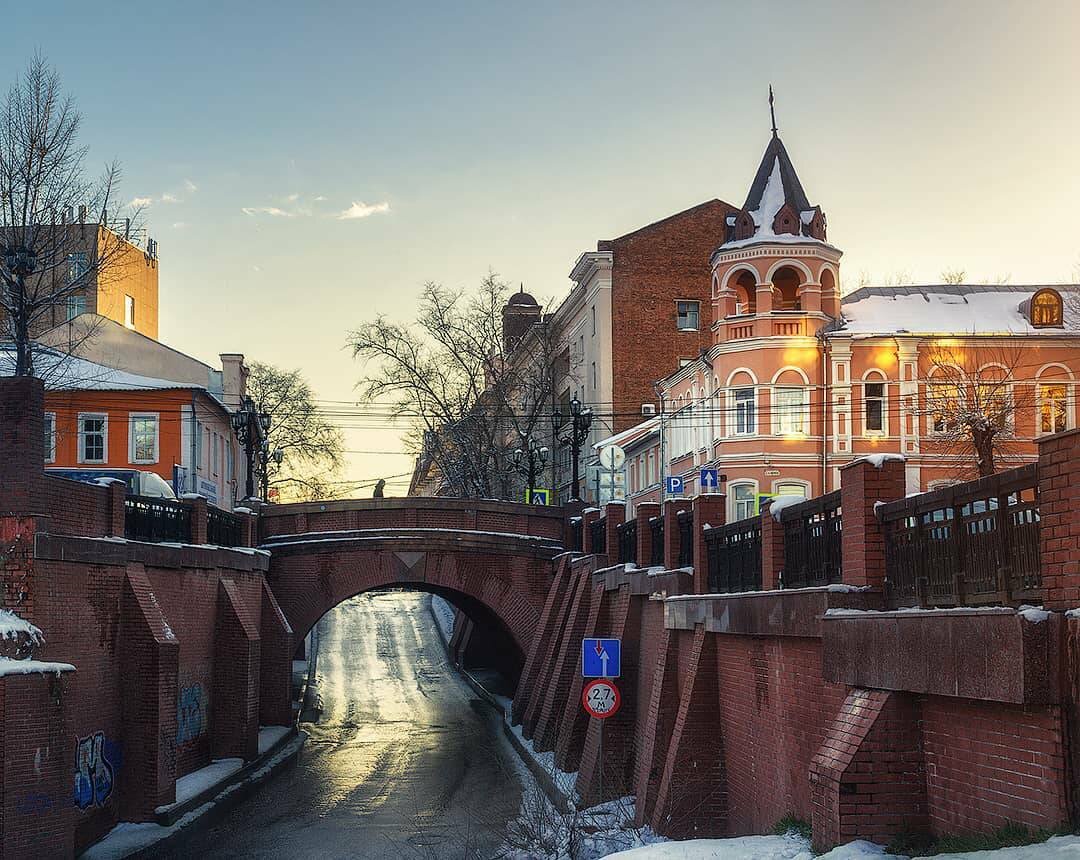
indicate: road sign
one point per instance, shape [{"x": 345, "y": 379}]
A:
[
  {"x": 760, "y": 499},
  {"x": 673, "y": 485},
  {"x": 601, "y": 698},
  {"x": 601, "y": 658},
  {"x": 709, "y": 479},
  {"x": 612, "y": 457},
  {"x": 537, "y": 496}
]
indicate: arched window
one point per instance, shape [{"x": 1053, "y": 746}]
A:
[
  {"x": 786, "y": 282},
  {"x": 1046, "y": 309},
  {"x": 742, "y": 497},
  {"x": 875, "y": 403},
  {"x": 746, "y": 294}
]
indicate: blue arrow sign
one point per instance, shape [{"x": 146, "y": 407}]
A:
[
  {"x": 673, "y": 485},
  {"x": 709, "y": 480},
  {"x": 601, "y": 658}
]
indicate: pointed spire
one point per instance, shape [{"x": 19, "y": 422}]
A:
[{"x": 772, "y": 111}]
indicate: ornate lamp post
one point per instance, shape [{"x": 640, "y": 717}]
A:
[
  {"x": 574, "y": 434},
  {"x": 251, "y": 428},
  {"x": 529, "y": 461},
  {"x": 268, "y": 456}
]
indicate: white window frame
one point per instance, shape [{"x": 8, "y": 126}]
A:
[
  {"x": 696, "y": 310},
  {"x": 791, "y": 482},
  {"x": 875, "y": 378},
  {"x": 733, "y": 503},
  {"x": 50, "y": 437},
  {"x": 780, "y": 412},
  {"x": 215, "y": 454},
  {"x": 132, "y": 418},
  {"x": 81, "y": 260},
  {"x": 75, "y": 302},
  {"x": 104, "y": 416},
  {"x": 752, "y": 424},
  {"x": 1070, "y": 422},
  {"x": 129, "y": 311}
]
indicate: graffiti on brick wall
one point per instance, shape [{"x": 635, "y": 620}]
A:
[
  {"x": 191, "y": 714},
  {"x": 94, "y": 773}
]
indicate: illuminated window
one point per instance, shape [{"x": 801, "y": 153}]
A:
[
  {"x": 1046, "y": 309},
  {"x": 874, "y": 406},
  {"x": 129, "y": 311},
  {"x": 1053, "y": 407},
  {"x": 789, "y": 411},
  {"x": 945, "y": 402}
]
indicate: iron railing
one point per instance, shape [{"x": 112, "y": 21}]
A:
[
  {"x": 734, "y": 556},
  {"x": 156, "y": 520},
  {"x": 686, "y": 538},
  {"x": 628, "y": 542},
  {"x": 812, "y": 542},
  {"x": 656, "y": 554},
  {"x": 223, "y": 528},
  {"x": 576, "y": 531},
  {"x": 598, "y": 535},
  {"x": 969, "y": 544}
]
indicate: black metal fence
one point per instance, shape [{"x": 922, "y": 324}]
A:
[
  {"x": 156, "y": 520},
  {"x": 686, "y": 537},
  {"x": 576, "y": 531},
  {"x": 628, "y": 542},
  {"x": 734, "y": 556},
  {"x": 598, "y": 535},
  {"x": 969, "y": 544},
  {"x": 812, "y": 542},
  {"x": 656, "y": 554},
  {"x": 223, "y": 528}
]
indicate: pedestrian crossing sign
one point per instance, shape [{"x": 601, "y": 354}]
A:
[{"x": 537, "y": 496}]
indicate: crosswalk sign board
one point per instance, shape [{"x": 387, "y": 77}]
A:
[{"x": 537, "y": 496}]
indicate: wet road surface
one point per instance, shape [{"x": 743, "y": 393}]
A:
[{"x": 404, "y": 761}]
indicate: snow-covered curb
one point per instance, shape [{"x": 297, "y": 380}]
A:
[{"x": 9, "y": 666}]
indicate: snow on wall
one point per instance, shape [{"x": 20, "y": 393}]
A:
[{"x": 11, "y": 625}]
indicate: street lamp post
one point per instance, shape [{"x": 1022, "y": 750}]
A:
[
  {"x": 529, "y": 462},
  {"x": 268, "y": 456},
  {"x": 251, "y": 428},
  {"x": 574, "y": 435}
]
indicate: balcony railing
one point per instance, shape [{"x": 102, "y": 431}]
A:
[
  {"x": 628, "y": 542},
  {"x": 812, "y": 542},
  {"x": 734, "y": 556},
  {"x": 156, "y": 520},
  {"x": 966, "y": 545},
  {"x": 223, "y": 528}
]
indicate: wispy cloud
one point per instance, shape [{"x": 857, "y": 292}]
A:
[
  {"x": 142, "y": 202},
  {"x": 272, "y": 211},
  {"x": 179, "y": 225},
  {"x": 292, "y": 198},
  {"x": 363, "y": 210},
  {"x": 320, "y": 199},
  {"x": 190, "y": 186},
  {"x": 169, "y": 198}
]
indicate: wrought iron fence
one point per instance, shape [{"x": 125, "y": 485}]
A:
[
  {"x": 812, "y": 542},
  {"x": 970, "y": 544},
  {"x": 576, "y": 531},
  {"x": 223, "y": 528},
  {"x": 628, "y": 542},
  {"x": 734, "y": 556},
  {"x": 686, "y": 538},
  {"x": 156, "y": 520},
  {"x": 656, "y": 554},
  {"x": 598, "y": 535}
]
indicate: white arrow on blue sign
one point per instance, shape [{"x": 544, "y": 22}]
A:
[
  {"x": 601, "y": 658},
  {"x": 674, "y": 485},
  {"x": 709, "y": 480}
]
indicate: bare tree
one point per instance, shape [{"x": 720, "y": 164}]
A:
[
  {"x": 471, "y": 402},
  {"x": 310, "y": 446},
  {"x": 45, "y": 257},
  {"x": 972, "y": 398}
]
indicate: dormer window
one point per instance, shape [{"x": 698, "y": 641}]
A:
[{"x": 1046, "y": 309}]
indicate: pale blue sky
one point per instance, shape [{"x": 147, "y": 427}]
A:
[{"x": 935, "y": 135}]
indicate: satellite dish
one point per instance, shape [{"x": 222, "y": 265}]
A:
[{"x": 612, "y": 457}]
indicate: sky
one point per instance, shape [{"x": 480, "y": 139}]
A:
[{"x": 467, "y": 136}]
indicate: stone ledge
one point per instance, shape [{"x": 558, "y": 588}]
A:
[
  {"x": 790, "y": 612},
  {"x": 417, "y": 503},
  {"x": 413, "y": 540},
  {"x": 997, "y": 656},
  {"x": 116, "y": 551},
  {"x": 644, "y": 580}
]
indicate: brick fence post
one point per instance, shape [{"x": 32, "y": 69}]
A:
[
  {"x": 1059, "y": 519},
  {"x": 615, "y": 512},
  {"x": 772, "y": 548},
  {"x": 645, "y": 512},
  {"x": 249, "y": 529},
  {"x": 862, "y": 485},
  {"x": 672, "y": 507},
  {"x": 117, "y": 491},
  {"x": 709, "y": 510},
  {"x": 198, "y": 519},
  {"x": 588, "y": 517},
  {"x": 22, "y": 447}
]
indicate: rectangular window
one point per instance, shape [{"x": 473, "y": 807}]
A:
[
  {"x": 129, "y": 311},
  {"x": 594, "y": 320},
  {"x": 78, "y": 266},
  {"x": 143, "y": 437},
  {"x": 1053, "y": 408},
  {"x": 689, "y": 315},
  {"x": 789, "y": 410},
  {"x": 50, "y": 437},
  {"x": 594, "y": 376},
  {"x": 745, "y": 420},
  {"x": 215, "y": 457},
  {"x": 945, "y": 400},
  {"x": 874, "y": 405},
  {"x": 93, "y": 438},
  {"x": 743, "y": 501},
  {"x": 76, "y": 305}
]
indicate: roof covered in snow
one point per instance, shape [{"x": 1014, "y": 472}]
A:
[
  {"x": 952, "y": 309},
  {"x": 68, "y": 372},
  {"x": 632, "y": 435}
]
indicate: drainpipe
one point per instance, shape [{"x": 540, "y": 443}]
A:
[
  {"x": 194, "y": 446},
  {"x": 825, "y": 393},
  {"x": 661, "y": 467}
]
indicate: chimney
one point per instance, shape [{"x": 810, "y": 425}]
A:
[{"x": 234, "y": 375}]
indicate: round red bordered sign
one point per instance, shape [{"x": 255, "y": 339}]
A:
[{"x": 601, "y": 698}]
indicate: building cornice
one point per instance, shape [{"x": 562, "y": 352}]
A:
[{"x": 769, "y": 249}]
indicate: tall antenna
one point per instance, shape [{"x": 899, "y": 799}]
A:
[{"x": 772, "y": 111}]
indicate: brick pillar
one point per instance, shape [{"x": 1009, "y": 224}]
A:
[
  {"x": 575, "y": 722},
  {"x": 22, "y": 447},
  {"x": 772, "y": 549},
  {"x": 1059, "y": 516},
  {"x": 588, "y": 517},
  {"x": 117, "y": 492},
  {"x": 249, "y": 529},
  {"x": 615, "y": 512},
  {"x": 275, "y": 663},
  {"x": 234, "y": 710},
  {"x": 659, "y": 718},
  {"x": 709, "y": 510},
  {"x": 862, "y": 486},
  {"x": 540, "y": 650},
  {"x": 671, "y": 530},
  {"x": 545, "y": 676},
  {"x": 198, "y": 519},
  {"x": 645, "y": 512}
]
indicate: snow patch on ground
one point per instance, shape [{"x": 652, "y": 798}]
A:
[
  {"x": 200, "y": 780},
  {"x": 564, "y": 782},
  {"x": 270, "y": 735},
  {"x": 444, "y": 612}
]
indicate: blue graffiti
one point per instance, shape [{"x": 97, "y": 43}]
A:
[
  {"x": 93, "y": 772},
  {"x": 190, "y": 714},
  {"x": 35, "y": 803}
]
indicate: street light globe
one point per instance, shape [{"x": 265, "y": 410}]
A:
[{"x": 575, "y": 406}]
